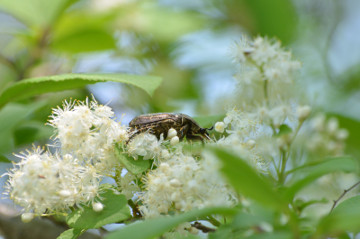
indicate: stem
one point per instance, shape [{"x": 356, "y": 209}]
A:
[
  {"x": 117, "y": 177},
  {"x": 213, "y": 221},
  {"x": 285, "y": 155},
  {"x": 342, "y": 195},
  {"x": 266, "y": 95},
  {"x": 282, "y": 175}
]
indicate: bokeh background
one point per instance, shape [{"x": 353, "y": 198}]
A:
[{"x": 187, "y": 43}]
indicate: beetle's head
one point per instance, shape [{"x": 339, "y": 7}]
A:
[{"x": 203, "y": 131}]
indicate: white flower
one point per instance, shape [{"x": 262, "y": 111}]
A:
[{"x": 145, "y": 145}]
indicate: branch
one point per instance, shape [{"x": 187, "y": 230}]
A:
[
  {"x": 203, "y": 228},
  {"x": 343, "y": 194}
]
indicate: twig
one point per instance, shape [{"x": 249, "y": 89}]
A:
[
  {"x": 343, "y": 194},
  {"x": 203, "y": 228},
  {"x": 8, "y": 62}
]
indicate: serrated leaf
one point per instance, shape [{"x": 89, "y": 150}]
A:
[
  {"x": 155, "y": 227},
  {"x": 345, "y": 217},
  {"x": 247, "y": 181},
  {"x": 315, "y": 170},
  {"x": 71, "y": 234},
  {"x": 132, "y": 165},
  {"x": 115, "y": 210},
  {"x": 34, "y": 86}
]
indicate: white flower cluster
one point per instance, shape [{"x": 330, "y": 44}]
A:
[
  {"x": 46, "y": 183},
  {"x": 326, "y": 137},
  {"x": 264, "y": 103},
  {"x": 265, "y": 80},
  {"x": 183, "y": 183},
  {"x": 87, "y": 131},
  {"x": 242, "y": 136},
  {"x": 266, "y": 59}
]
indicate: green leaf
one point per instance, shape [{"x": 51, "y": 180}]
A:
[
  {"x": 35, "y": 12},
  {"x": 91, "y": 33},
  {"x": 86, "y": 40},
  {"x": 145, "y": 19},
  {"x": 315, "y": 170},
  {"x": 132, "y": 165},
  {"x": 247, "y": 181},
  {"x": 4, "y": 159},
  {"x": 72, "y": 233},
  {"x": 155, "y": 227},
  {"x": 115, "y": 210},
  {"x": 10, "y": 117},
  {"x": 267, "y": 16},
  {"x": 208, "y": 121},
  {"x": 34, "y": 86},
  {"x": 31, "y": 131},
  {"x": 272, "y": 235},
  {"x": 345, "y": 217},
  {"x": 352, "y": 125}
]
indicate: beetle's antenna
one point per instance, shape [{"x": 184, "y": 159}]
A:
[{"x": 211, "y": 128}]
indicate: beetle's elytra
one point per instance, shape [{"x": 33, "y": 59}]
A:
[{"x": 160, "y": 123}]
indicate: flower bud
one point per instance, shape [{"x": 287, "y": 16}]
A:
[
  {"x": 251, "y": 143},
  {"x": 342, "y": 134},
  {"x": 174, "y": 140},
  {"x": 27, "y": 217},
  {"x": 65, "y": 193},
  {"x": 332, "y": 125},
  {"x": 266, "y": 227},
  {"x": 220, "y": 127},
  {"x": 171, "y": 133},
  {"x": 98, "y": 207},
  {"x": 175, "y": 183},
  {"x": 303, "y": 112}
]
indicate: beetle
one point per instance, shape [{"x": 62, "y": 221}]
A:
[{"x": 160, "y": 123}]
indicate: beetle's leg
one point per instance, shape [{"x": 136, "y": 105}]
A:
[
  {"x": 132, "y": 135},
  {"x": 135, "y": 131},
  {"x": 183, "y": 131}
]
